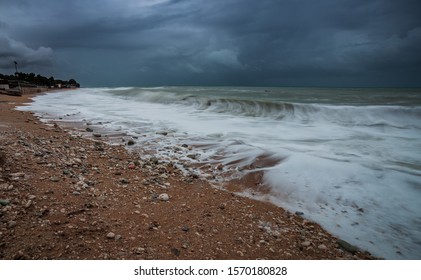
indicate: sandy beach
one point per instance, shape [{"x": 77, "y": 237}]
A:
[{"x": 67, "y": 197}]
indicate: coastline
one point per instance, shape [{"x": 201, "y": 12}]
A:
[{"x": 68, "y": 197}]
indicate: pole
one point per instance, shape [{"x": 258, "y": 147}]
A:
[{"x": 17, "y": 77}]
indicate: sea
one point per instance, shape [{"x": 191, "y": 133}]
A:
[{"x": 346, "y": 158}]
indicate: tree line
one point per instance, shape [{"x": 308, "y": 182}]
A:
[{"x": 38, "y": 80}]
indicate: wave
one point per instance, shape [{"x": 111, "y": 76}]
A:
[
  {"x": 368, "y": 115},
  {"x": 325, "y": 156}
]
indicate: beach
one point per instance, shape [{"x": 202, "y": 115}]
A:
[{"x": 64, "y": 196}]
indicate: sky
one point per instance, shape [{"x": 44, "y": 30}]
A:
[{"x": 332, "y": 43}]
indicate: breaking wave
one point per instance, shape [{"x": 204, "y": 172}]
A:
[{"x": 386, "y": 115}]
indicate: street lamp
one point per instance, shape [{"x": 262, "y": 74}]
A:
[{"x": 17, "y": 77}]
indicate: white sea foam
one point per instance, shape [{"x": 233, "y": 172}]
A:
[{"x": 350, "y": 158}]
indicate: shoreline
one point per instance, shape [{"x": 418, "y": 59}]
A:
[{"x": 69, "y": 197}]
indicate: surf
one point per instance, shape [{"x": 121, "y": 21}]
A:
[{"x": 346, "y": 158}]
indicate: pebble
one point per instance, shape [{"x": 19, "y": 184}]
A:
[
  {"x": 164, "y": 197},
  {"x": 306, "y": 243},
  {"x": 55, "y": 179},
  {"x": 139, "y": 250},
  {"x": 346, "y": 246},
  {"x": 18, "y": 175},
  {"x": 4, "y": 202},
  {"x": 124, "y": 181},
  {"x": 28, "y": 204},
  {"x": 276, "y": 234},
  {"x": 322, "y": 247},
  {"x": 110, "y": 235},
  {"x": 11, "y": 224},
  {"x": 175, "y": 251},
  {"x": 192, "y": 156}
]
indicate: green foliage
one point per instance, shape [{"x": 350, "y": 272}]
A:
[{"x": 38, "y": 80}]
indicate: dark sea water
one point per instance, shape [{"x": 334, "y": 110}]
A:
[{"x": 351, "y": 157}]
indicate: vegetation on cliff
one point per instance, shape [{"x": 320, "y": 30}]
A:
[{"x": 31, "y": 79}]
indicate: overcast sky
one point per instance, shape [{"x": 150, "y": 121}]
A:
[{"x": 215, "y": 42}]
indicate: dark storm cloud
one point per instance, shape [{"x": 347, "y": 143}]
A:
[
  {"x": 11, "y": 50},
  {"x": 290, "y": 42}
]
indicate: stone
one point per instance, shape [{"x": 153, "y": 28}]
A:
[
  {"x": 185, "y": 228},
  {"x": 276, "y": 234},
  {"x": 98, "y": 135},
  {"x": 306, "y": 243},
  {"x": 11, "y": 224},
  {"x": 18, "y": 175},
  {"x": 54, "y": 179},
  {"x": 28, "y": 204},
  {"x": 322, "y": 247},
  {"x": 88, "y": 129},
  {"x": 139, "y": 250},
  {"x": 4, "y": 202},
  {"x": 192, "y": 156},
  {"x": 299, "y": 213},
  {"x": 164, "y": 197},
  {"x": 111, "y": 235},
  {"x": 130, "y": 142},
  {"x": 124, "y": 181},
  {"x": 154, "y": 160},
  {"x": 346, "y": 246},
  {"x": 175, "y": 251}
]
